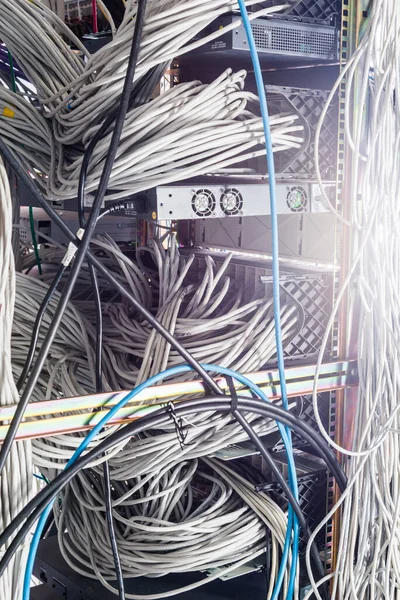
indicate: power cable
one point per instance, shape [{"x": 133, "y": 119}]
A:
[{"x": 99, "y": 389}]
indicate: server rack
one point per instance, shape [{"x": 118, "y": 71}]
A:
[{"x": 304, "y": 11}]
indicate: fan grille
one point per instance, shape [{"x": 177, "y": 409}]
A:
[
  {"x": 203, "y": 203},
  {"x": 231, "y": 202},
  {"x": 296, "y": 199}
]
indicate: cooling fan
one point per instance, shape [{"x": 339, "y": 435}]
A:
[
  {"x": 297, "y": 199},
  {"x": 203, "y": 203},
  {"x": 231, "y": 202}
]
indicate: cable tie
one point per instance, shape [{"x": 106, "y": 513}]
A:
[
  {"x": 233, "y": 393},
  {"x": 180, "y": 434},
  {"x": 72, "y": 248}
]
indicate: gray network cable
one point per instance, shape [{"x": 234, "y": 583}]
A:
[{"x": 17, "y": 483}]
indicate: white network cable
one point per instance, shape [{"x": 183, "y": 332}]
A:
[
  {"x": 16, "y": 484},
  {"x": 218, "y": 127},
  {"x": 188, "y": 514},
  {"x": 78, "y": 93},
  {"x": 368, "y": 564},
  {"x": 217, "y": 519},
  {"x": 187, "y": 131},
  {"x": 230, "y": 327},
  {"x": 29, "y": 136},
  {"x": 190, "y": 130}
]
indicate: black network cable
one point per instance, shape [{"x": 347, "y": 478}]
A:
[
  {"x": 82, "y": 248},
  {"x": 146, "y": 83},
  {"x": 215, "y": 403},
  {"x": 147, "y": 315},
  {"x": 99, "y": 326},
  {"x": 84, "y": 252},
  {"x": 33, "y": 509},
  {"x": 97, "y": 204}
]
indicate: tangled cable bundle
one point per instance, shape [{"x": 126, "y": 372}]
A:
[
  {"x": 213, "y": 317},
  {"x": 210, "y": 316},
  {"x": 78, "y": 93},
  {"x": 191, "y": 129},
  {"x": 131, "y": 350},
  {"x": 212, "y": 510},
  {"x": 215, "y": 130},
  {"x": 168, "y": 32},
  {"x": 16, "y": 482},
  {"x": 70, "y": 366},
  {"x": 190, "y": 514},
  {"x": 218, "y": 126},
  {"x": 31, "y": 31},
  {"x": 105, "y": 100}
]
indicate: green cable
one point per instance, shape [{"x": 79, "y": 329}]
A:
[
  {"x": 13, "y": 81},
  {"x": 41, "y": 477},
  {"x": 34, "y": 241}
]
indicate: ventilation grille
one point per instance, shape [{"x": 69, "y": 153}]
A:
[
  {"x": 203, "y": 203},
  {"x": 293, "y": 39},
  {"x": 326, "y": 11},
  {"x": 314, "y": 296},
  {"x": 23, "y": 233},
  {"x": 306, "y": 411},
  {"x": 310, "y": 103}
]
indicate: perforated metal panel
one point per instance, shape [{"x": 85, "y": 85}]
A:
[
  {"x": 308, "y": 237},
  {"x": 313, "y": 295},
  {"x": 293, "y": 38}
]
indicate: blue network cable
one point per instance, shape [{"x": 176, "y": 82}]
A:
[
  {"x": 113, "y": 411},
  {"x": 275, "y": 266}
]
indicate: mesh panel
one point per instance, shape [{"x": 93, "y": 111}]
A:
[
  {"x": 316, "y": 305},
  {"x": 310, "y": 293},
  {"x": 312, "y": 500},
  {"x": 304, "y": 42},
  {"x": 321, "y": 10},
  {"x": 305, "y": 411},
  {"x": 310, "y": 103}
]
